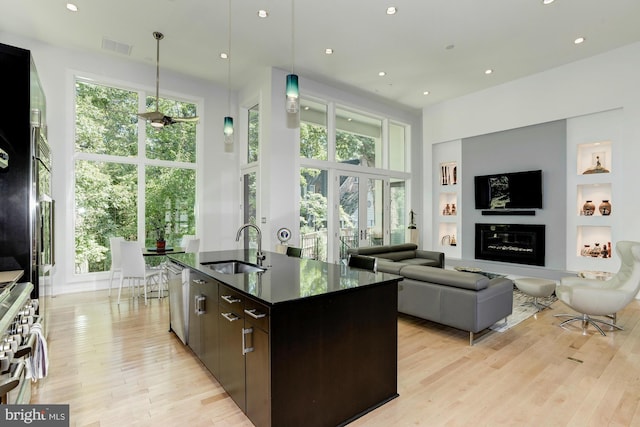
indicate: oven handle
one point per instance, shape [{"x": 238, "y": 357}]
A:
[
  {"x": 26, "y": 349},
  {"x": 13, "y": 381}
]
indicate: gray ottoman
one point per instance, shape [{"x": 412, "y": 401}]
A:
[{"x": 537, "y": 288}]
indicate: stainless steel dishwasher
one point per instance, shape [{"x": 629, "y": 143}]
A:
[{"x": 178, "y": 282}]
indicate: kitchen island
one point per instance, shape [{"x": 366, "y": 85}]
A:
[{"x": 301, "y": 343}]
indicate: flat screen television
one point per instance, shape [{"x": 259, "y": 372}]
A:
[{"x": 514, "y": 190}]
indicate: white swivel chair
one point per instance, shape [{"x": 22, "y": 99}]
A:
[
  {"x": 135, "y": 270},
  {"x": 192, "y": 246},
  {"x": 592, "y": 297},
  {"x": 114, "y": 245}
]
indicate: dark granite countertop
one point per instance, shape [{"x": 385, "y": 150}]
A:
[{"x": 286, "y": 278}]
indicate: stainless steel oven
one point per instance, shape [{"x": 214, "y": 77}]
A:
[
  {"x": 18, "y": 320},
  {"x": 43, "y": 258}
]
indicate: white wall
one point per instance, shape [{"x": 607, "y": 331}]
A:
[{"x": 596, "y": 84}]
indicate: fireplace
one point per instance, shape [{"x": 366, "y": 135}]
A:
[{"x": 515, "y": 243}]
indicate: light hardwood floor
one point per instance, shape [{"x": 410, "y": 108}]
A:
[{"x": 119, "y": 366}]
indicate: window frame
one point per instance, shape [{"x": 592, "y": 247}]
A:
[{"x": 140, "y": 160}]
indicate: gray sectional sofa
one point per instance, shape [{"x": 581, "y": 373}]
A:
[
  {"x": 403, "y": 254},
  {"x": 468, "y": 301}
]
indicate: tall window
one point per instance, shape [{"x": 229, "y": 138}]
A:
[
  {"x": 366, "y": 156},
  {"x": 313, "y": 130},
  {"x": 358, "y": 139},
  {"x": 313, "y": 213},
  {"x": 254, "y": 134},
  {"x": 120, "y": 177}
]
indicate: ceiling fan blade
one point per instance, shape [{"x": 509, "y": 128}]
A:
[
  {"x": 186, "y": 119},
  {"x": 151, "y": 115}
]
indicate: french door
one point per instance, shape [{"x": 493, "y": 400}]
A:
[{"x": 362, "y": 211}]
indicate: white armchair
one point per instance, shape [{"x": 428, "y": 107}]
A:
[{"x": 592, "y": 297}]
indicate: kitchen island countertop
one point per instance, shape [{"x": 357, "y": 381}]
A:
[{"x": 285, "y": 278}]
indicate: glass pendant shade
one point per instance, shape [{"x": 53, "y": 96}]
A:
[
  {"x": 228, "y": 130},
  {"x": 293, "y": 94}
]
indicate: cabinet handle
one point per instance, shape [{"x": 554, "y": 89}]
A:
[
  {"x": 200, "y": 305},
  {"x": 245, "y": 332},
  {"x": 253, "y": 314},
  {"x": 230, "y": 299},
  {"x": 230, "y": 317},
  {"x": 199, "y": 281}
]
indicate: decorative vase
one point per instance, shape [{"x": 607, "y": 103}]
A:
[
  {"x": 586, "y": 251},
  {"x": 595, "y": 252},
  {"x": 588, "y": 208},
  {"x": 605, "y": 208},
  {"x": 161, "y": 245}
]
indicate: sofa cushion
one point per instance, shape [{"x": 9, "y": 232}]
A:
[
  {"x": 388, "y": 266},
  {"x": 419, "y": 261},
  {"x": 396, "y": 256},
  {"x": 453, "y": 278}
]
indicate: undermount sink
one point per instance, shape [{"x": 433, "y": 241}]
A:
[{"x": 233, "y": 267}]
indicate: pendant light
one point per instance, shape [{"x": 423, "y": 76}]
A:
[
  {"x": 292, "y": 89},
  {"x": 227, "y": 128}
]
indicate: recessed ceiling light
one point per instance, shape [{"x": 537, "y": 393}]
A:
[
  {"x": 489, "y": 71},
  {"x": 382, "y": 74},
  {"x": 72, "y": 7},
  {"x": 426, "y": 92},
  {"x": 224, "y": 55},
  {"x": 547, "y": 1},
  {"x": 579, "y": 40},
  {"x": 263, "y": 13},
  {"x": 392, "y": 10},
  {"x": 328, "y": 51}
]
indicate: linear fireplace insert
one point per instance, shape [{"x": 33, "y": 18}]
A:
[{"x": 515, "y": 243}]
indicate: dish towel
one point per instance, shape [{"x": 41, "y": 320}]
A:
[{"x": 38, "y": 363}]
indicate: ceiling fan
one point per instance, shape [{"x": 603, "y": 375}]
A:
[{"x": 156, "y": 118}]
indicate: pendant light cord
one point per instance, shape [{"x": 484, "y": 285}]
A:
[
  {"x": 229, "y": 63},
  {"x": 293, "y": 38}
]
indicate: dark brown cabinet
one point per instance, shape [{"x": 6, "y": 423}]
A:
[
  {"x": 290, "y": 355},
  {"x": 231, "y": 344},
  {"x": 203, "y": 325},
  {"x": 243, "y": 347},
  {"x": 257, "y": 368}
]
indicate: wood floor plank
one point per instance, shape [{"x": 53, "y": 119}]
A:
[{"x": 119, "y": 366}]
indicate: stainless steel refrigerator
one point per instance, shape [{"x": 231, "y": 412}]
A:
[{"x": 26, "y": 206}]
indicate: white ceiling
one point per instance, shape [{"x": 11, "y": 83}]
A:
[{"x": 440, "y": 46}]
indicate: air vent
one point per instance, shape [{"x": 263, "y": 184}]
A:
[{"x": 117, "y": 47}]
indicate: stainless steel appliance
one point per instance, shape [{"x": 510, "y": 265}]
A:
[
  {"x": 178, "y": 282},
  {"x": 17, "y": 318},
  {"x": 27, "y": 208}
]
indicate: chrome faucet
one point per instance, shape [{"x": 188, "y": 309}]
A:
[{"x": 259, "y": 255}]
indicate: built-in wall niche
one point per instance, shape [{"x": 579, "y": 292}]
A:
[
  {"x": 448, "y": 233},
  {"x": 599, "y": 195},
  {"x": 448, "y": 204},
  {"x": 448, "y": 173},
  {"x": 594, "y": 158},
  {"x": 592, "y": 240}
]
